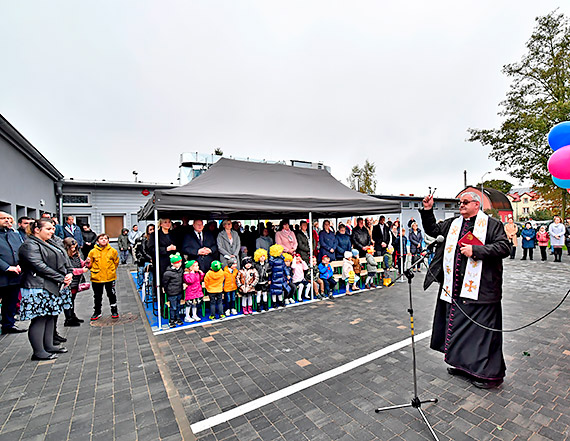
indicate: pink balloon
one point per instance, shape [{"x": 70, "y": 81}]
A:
[{"x": 559, "y": 163}]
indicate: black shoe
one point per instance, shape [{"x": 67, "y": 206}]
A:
[
  {"x": 56, "y": 342},
  {"x": 331, "y": 297},
  {"x": 457, "y": 372},
  {"x": 95, "y": 316},
  {"x": 114, "y": 312},
  {"x": 71, "y": 322},
  {"x": 77, "y": 319},
  {"x": 486, "y": 384},
  {"x": 49, "y": 357},
  {"x": 57, "y": 337},
  {"x": 61, "y": 350},
  {"x": 13, "y": 330}
]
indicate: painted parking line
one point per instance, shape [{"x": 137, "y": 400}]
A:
[{"x": 223, "y": 417}]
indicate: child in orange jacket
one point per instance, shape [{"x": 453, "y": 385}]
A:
[
  {"x": 214, "y": 284},
  {"x": 230, "y": 286}
]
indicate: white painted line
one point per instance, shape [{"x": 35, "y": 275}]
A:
[{"x": 294, "y": 388}]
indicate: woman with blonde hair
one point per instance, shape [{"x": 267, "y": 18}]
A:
[{"x": 229, "y": 243}]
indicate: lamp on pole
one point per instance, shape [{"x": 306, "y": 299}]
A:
[{"x": 482, "y": 177}]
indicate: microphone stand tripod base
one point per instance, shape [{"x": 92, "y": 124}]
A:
[{"x": 416, "y": 402}]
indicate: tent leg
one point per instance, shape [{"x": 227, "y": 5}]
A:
[
  {"x": 403, "y": 254},
  {"x": 311, "y": 253},
  {"x": 156, "y": 270}
]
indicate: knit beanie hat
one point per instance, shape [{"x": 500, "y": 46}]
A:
[
  {"x": 232, "y": 261},
  {"x": 175, "y": 258},
  {"x": 347, "y": 254},
  {"x": 190, "y": 263},
  {"x": 216, "y": 265}
]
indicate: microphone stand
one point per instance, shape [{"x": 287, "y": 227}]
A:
[{"x": 416, "y": 402}]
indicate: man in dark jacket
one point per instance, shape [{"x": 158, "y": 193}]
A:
[
  {"x": 10, "y": 243},
  {"x": 73, "y": 231},
  {"x": 381, "y": 236},
  {"x": 23, "y": 223},
  {"x": 470, "y": 275},
  {"x": 361, "y": 237},
  {"x": 200, "y": 245}
]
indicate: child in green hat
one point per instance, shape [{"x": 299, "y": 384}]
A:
[{"x": 172, "y": 284}]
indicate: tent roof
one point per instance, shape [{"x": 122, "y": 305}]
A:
[{"x": 250, "y": 190}]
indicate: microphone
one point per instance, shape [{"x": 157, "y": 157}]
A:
[{"x": 439, "y": 239}]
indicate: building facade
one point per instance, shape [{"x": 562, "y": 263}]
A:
[
  {"x": 30, "y": 183},
  {"x": 524, "y": 202},
  {"x": 106, "y": 206}
]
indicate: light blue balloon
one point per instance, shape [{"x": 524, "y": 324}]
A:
[
  {"x": 559, "y": 135},
  {"x": 562, "y": 183}
]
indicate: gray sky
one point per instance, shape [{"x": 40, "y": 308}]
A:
[{"x": 104, "y": 88}]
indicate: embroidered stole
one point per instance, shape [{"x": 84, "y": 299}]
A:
[{"x": 472, "y": 278}]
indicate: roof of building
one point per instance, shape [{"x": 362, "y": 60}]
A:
[
  {"x": 104, "y": 183},
  {"x": 517, "y": 193},
  {"x": 17, "y": 140}
]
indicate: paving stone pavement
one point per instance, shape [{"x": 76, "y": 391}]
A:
[
  {"x": 108, "y": 387},
  {"x": 118, "y": 382},
  {"x": 218, "y": 367}
]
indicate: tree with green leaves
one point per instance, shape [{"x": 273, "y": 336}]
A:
[
  {"x": 538, "y": 99},
  {"x": 498, "y": 184},
  {"x": 363, "y": 179}
]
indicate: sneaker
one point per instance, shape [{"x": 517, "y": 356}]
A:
[
  {"x": 96, "y": 316},
  {"x": 234, "y": 312},
  {"x": 114, "y": 312},
  {"x": 228, "y": 312},
  {"x": 331, "y": 297},
  {"x": 188, "y": 319},
  {"x": 179, "y": 322},
  {"x": 222, "y": 316},
  {"x": 212, "y": 317}
]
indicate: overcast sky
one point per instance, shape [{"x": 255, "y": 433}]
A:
[{"x": 107, "y": 87}]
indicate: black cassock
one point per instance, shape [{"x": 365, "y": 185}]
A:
[{"x": 466, "y": 346}]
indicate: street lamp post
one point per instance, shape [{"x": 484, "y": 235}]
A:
[{"x": 482, "y": 177}]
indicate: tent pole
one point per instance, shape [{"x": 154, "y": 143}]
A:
[
  {"x": 401, "y": 246},
  {"x": 311, "y": 253},
  {"x": 156, "y": 269}
]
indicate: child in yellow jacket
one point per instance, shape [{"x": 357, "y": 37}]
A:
[
  {"x": 214, "y": 284},
  {"x": 103, "y": 261}
]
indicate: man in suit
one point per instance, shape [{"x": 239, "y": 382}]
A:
[
  {"x": 73, "y": 231},
  {"x": 381, "y": 236},
  {"x": 10, "y": 271},
  {"x": 23, "y": 223},
  {"x": 200, "y": 246}
]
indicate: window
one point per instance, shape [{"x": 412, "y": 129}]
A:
[
  {"x": 525, "y": 200},
  {"x": 406, "y": 204},
  {"x": 416, "y": 205},
  {"x": 449, "y": 206},
  {"x": 525, "y": 210},
  {"x": 76, "y": 199}
]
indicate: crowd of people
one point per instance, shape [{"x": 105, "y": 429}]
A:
[
  {"x": 555, "y": 235},
  {"x": 43, "y": 265},
  {"x": 41, "y": 271},
  {"x": 277, "y": 258}
]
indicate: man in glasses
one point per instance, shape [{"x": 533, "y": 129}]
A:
[{"x": 469, "y": 270}]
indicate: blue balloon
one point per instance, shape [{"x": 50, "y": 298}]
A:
[
  {"x": 559, "y": 135},
  {"x": 562, "y": 183}
]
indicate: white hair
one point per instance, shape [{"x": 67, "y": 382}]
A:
[{"x": 473, "y": 195}]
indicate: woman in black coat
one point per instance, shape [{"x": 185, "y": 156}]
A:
[
  {"x": 46, "y": 275},
  {"x": 416, "y": 244},
  {"x": 166, "y": 245}
]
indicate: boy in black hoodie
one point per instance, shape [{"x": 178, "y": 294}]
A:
[{"x": 172, "y": 284}]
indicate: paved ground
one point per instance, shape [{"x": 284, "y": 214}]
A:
[{"x": 120, "y": 382}]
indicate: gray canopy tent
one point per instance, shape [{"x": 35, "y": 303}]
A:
[{"x": 253, "y": 190}]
